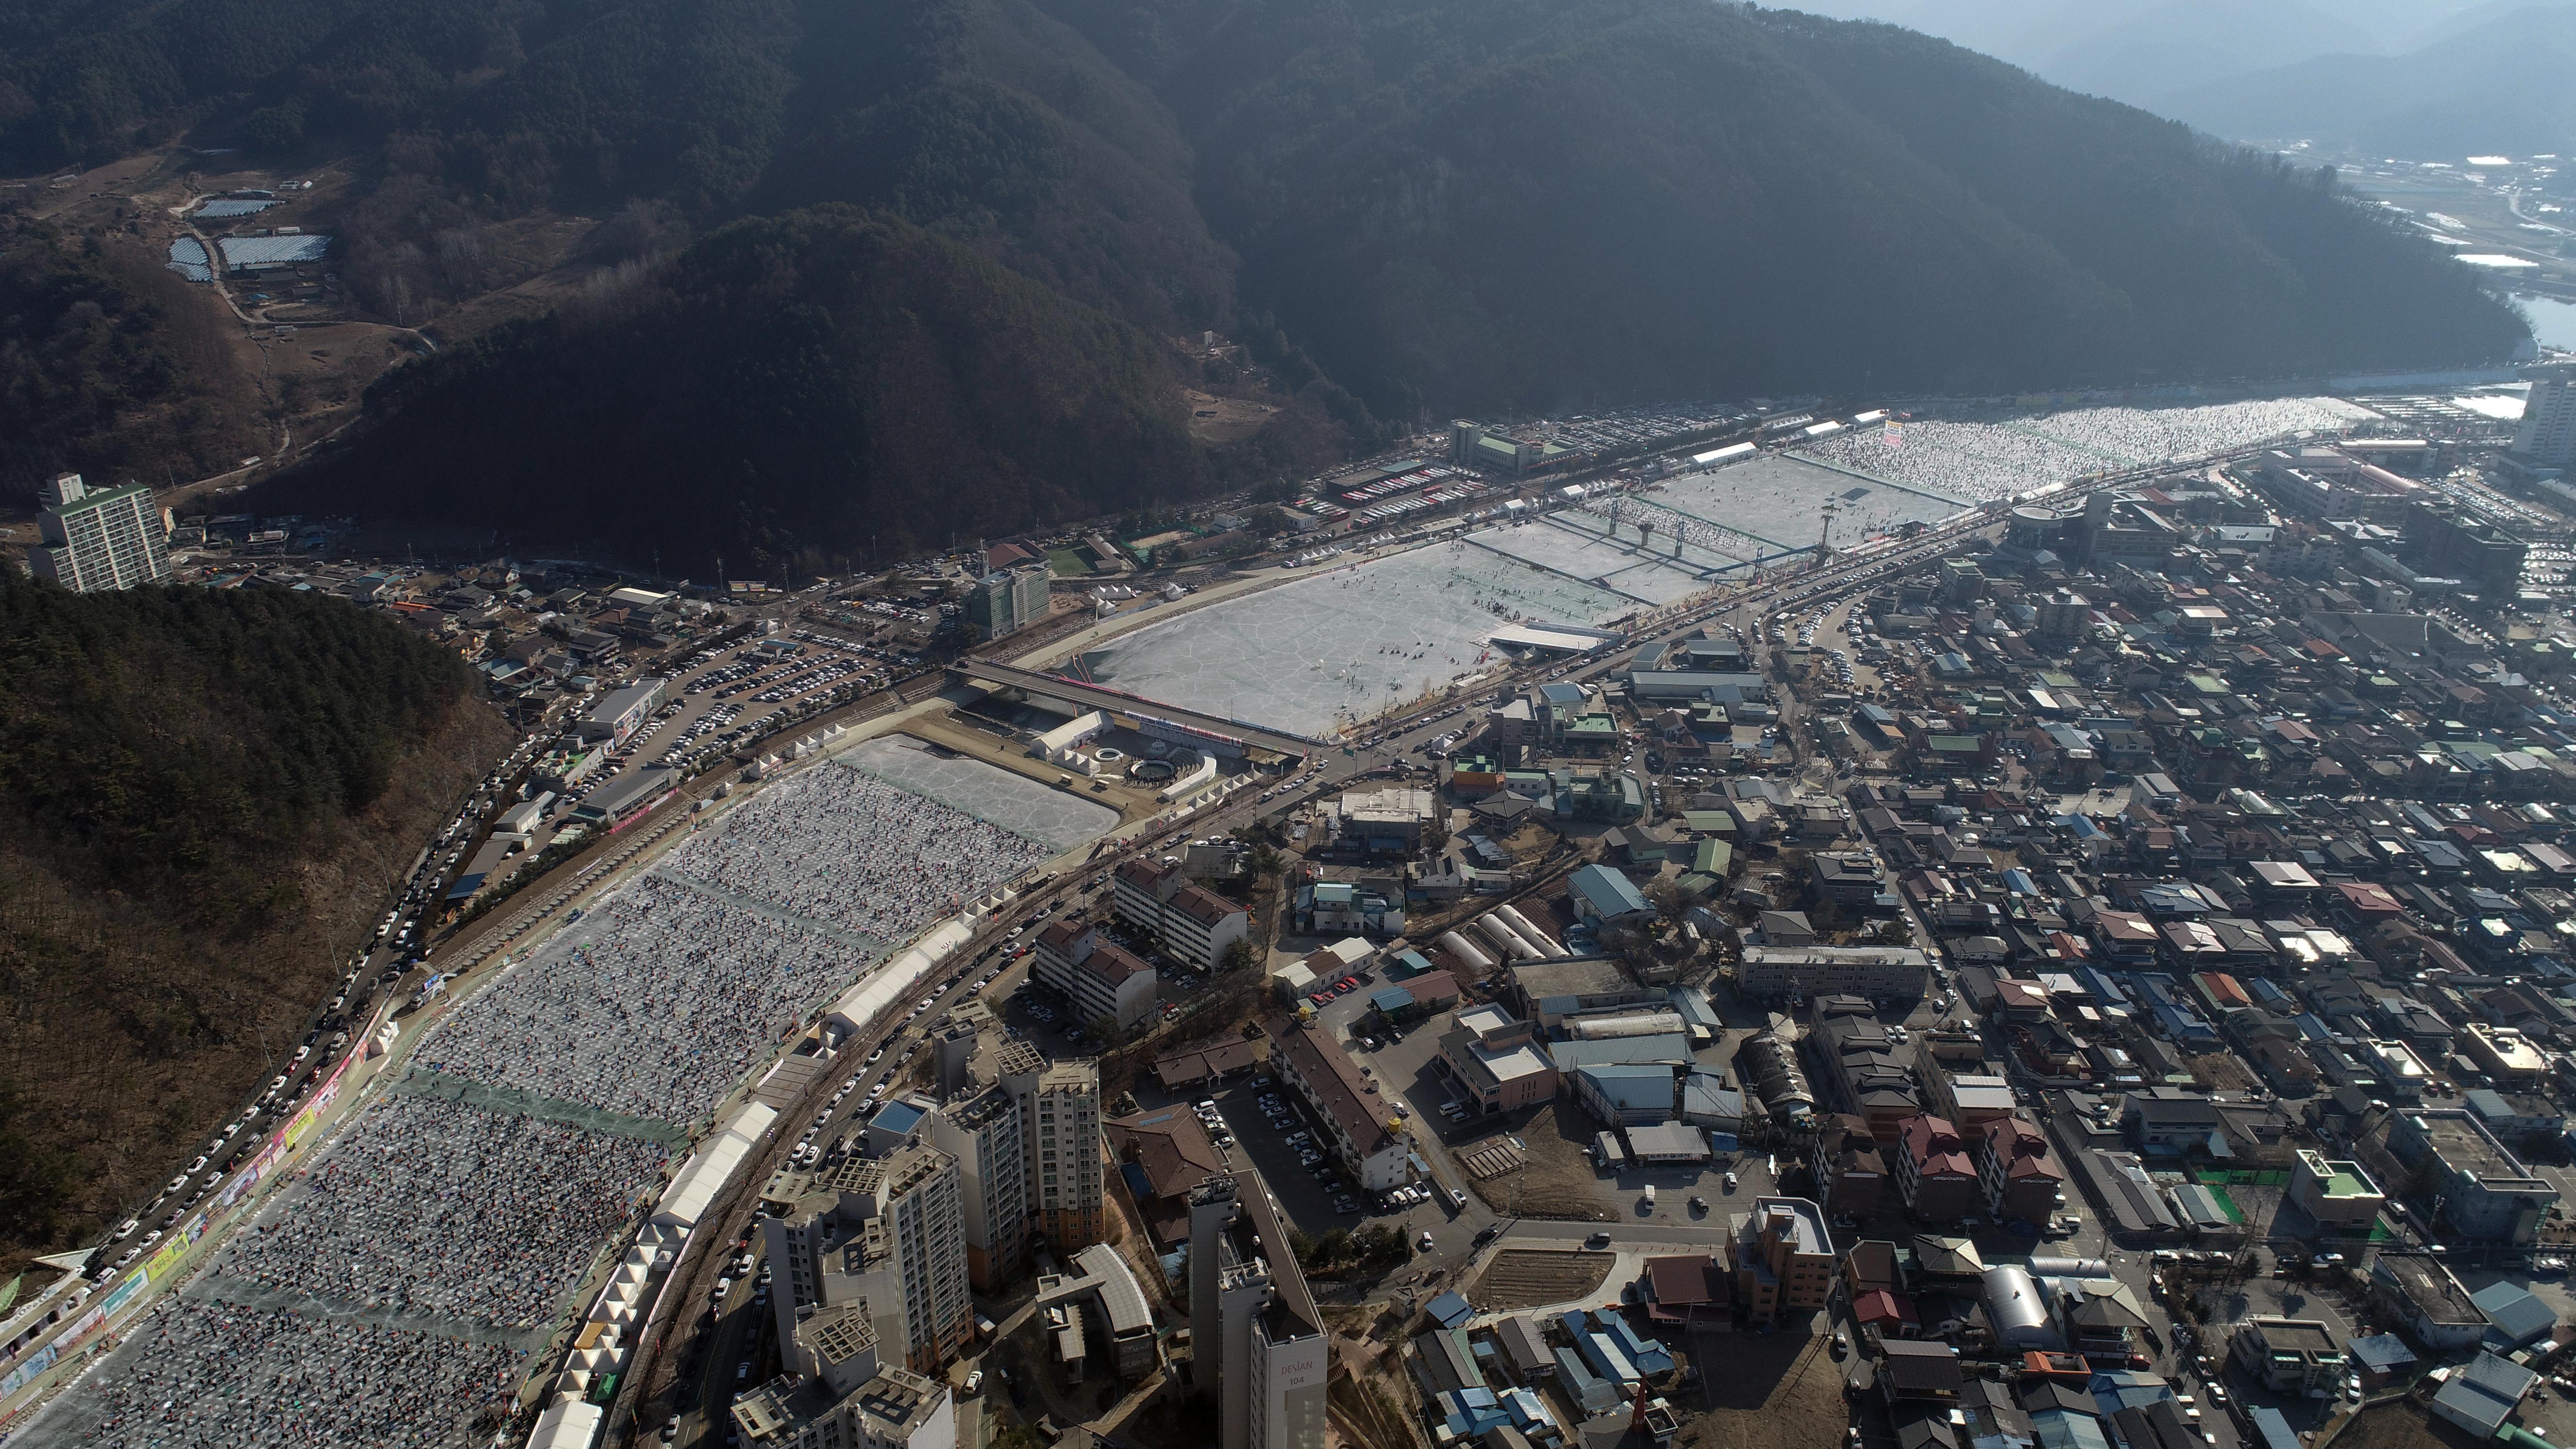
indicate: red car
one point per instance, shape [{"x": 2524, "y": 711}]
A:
[{"x": 1321, "y": 999}]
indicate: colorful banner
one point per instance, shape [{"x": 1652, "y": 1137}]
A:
[
  {"x": 25, "y": 1373},
  {"x": 166, "y": 1257},
  {"x": 165, "y": 1260},
  {"x": 1893, "y": 434}
]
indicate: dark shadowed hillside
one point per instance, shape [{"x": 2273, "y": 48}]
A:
[
  {"x": 203, "y": 798},
  {"x": 1413, "y": 209},
  {"x": 108, "y": 368},
  {"x": 823, "y": 385}
]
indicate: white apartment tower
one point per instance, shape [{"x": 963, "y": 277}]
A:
[
  {"x": 1258, "y": 1343},
  {"x": 97, "y": 542},
  {"x": 2547, "y": 435}
]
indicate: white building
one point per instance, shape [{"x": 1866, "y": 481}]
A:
[
  {"x": 2547, "y": 434},
  {"x": 1099, "y": 979},
  {"x": 1260, "y": 1346},
  {"x": 983, "y": 1131},
  {"x": 623, "y": 712},
  {"x": 98, "y": 542},
  {"x": 892, "y": 1408},
  {"x": 1192, "y": 924}
]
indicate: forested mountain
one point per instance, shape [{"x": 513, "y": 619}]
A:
[
  {"x": 107, "y": 369},
  {"x": 203, "y": 797},
  {"x": 816, "y": 387},
  {"x": 2501, "y": 86},
  {"x": 1413, "y": 209}
]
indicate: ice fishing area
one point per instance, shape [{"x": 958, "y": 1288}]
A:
[
  {"x": 1322, "y": 651},
  {"x": 405, "y": 1288}
]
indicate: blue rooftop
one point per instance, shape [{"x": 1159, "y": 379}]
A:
[
  {"x": 897, "y": 1116},
  {"x": 1605, "y": 892}
]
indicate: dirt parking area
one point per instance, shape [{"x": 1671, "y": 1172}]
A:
[
  {"x": 1559, "y": 1181},
  {"x": 1533, "y": 1278},
  {"x": 1763, "y": 1391}
]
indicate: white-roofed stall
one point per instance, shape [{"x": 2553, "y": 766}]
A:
[
  {"x": 693, "y": 1189},
  {"x": 567, "y": 1424},
  {"x": 895, "y": 982}
]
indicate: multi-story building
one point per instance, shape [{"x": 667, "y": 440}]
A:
[
  {"x": 889, "y": 1233},
  {"x": 893, "y": 1409},
  {"x": 2020, "y": 1179},
  {"x": 1006, "y": 601},
  {"x": 1881, "y": 973},
  {"x": 2504, "y": 1053},
  {"x": 2288, "y": 1355},
  {"x": 983, "y": 1131},
  {"x": 1099, "y": 980},
  {"x": 1259, "y": 1345},
  {"x": 96, "y": 542},
  {"x": 623, "y": 712},
  {"x": 1784, "y": 1257},
  {"x": 1359, "y": 1128},
  {"x": 2487, "y": 1194},
  {"x": 1933, "y": 1171},
  {"x": 1190, "y": 924},
  {"x": 1973, "y": 1101},
  {"x": 1060, "y": 1127},
  {"x": 2547, "y": 433},
  {"x": 1850, "y": 1171},
  {"x": 2338, "y": 1196},
  {"x": 1497, "y": 1059}
]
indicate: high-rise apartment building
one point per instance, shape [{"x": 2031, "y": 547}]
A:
[
  {"x": 2547, "y": 434},
  {"x": 96, "y": 542},
  {"x": 983, "y": 1131},
  {"x": 1006, "y": 601},
  {"x": 835, "y": 1395},
  {"x": 889, "y": 1233},
  {"x": 1258, "y": 1343},
  {"x": 1060, "y": 1123}
]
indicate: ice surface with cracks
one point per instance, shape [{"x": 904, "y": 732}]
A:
[
  {"x": 1027, "y": 808},
  {"x": 1999, "y": 459},
  {"x": 1347, "y": 642}
]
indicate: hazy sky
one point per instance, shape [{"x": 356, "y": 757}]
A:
[{"x": 2142, "y": 51}]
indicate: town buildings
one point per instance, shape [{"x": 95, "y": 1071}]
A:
[
  {"x": 1358, "y": 1126},
  {"x": 1099, "y": 979}
]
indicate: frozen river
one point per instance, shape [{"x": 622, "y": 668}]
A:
[{"x": 1346, "y": 643}]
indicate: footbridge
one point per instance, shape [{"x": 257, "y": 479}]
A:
[{"x": 1190, "y": 724}]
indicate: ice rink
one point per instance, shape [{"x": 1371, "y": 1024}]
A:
[
  {"x": 1348, "y": 642},
  {"x": 1016, "y": 803},
  {"x": 1780, "y": 500}
]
